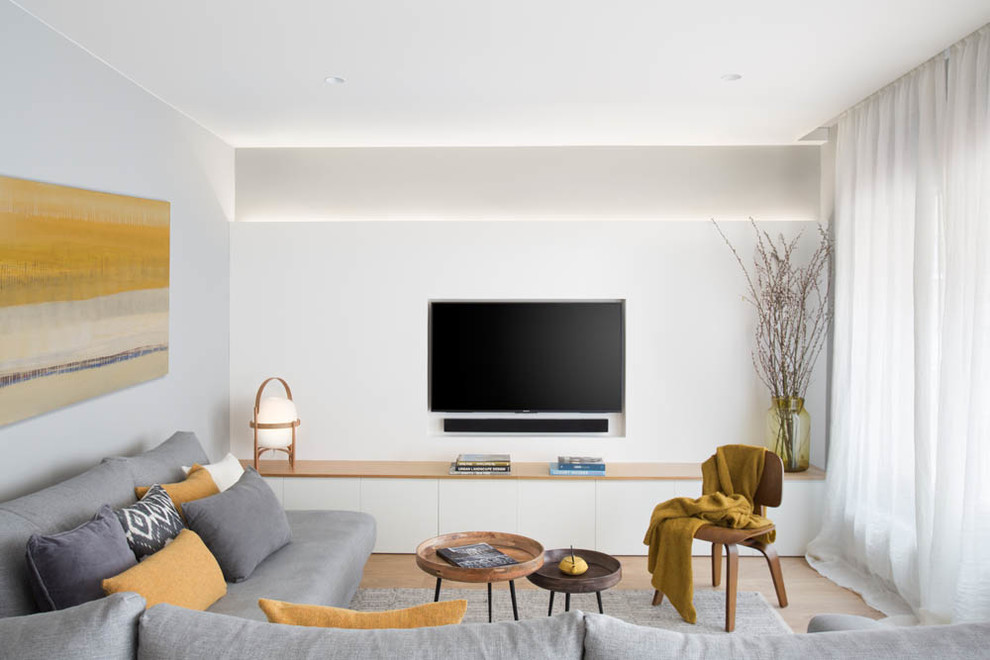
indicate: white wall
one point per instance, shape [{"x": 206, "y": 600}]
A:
[
  {"x": 340, "y": 310},
  {"x": 66, "y": 118},
  {"x": 528, "y": 183}
]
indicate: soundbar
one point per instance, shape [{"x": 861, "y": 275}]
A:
[{"x": 522, "y": 425}]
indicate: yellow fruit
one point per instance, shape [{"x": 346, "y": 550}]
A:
[{"x": 573, "y": 565}]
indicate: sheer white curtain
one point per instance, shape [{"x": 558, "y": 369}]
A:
[{"x": 907, "y": 516}]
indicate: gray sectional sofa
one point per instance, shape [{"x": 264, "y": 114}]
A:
[
  {"x": 119, "y": 628},
  {"x": 323, "y": 565}
]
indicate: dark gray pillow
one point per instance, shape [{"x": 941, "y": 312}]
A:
[
  {"x": 66, "y": 569},
  {"x": 241, "y": 526},
  {"x": 150, "y": 523}
]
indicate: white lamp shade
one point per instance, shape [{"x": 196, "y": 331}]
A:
[{"x": 276, "y": 410}]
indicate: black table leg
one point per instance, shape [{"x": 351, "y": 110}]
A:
[
  {"x": 436, "y": 592},
  {"x": 489, "y": 602},
  {"x": 567, "y": 602},
  {"x": 550, "y": 611},
  {"x": 512, "y": 592},
  {"x": 601, "y": 609}
]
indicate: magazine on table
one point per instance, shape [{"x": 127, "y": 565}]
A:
[{"x": 476, "y": 555}]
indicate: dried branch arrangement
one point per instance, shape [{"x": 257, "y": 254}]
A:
[{"x": 792, "y": 309}]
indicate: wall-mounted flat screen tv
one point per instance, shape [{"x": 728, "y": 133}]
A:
[{"x": 526, "y": 356}]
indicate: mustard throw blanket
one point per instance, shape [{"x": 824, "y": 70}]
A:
[{"x": 729, "y": 481}]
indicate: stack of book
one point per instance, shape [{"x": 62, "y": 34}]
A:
[
  {"x": 481, "y": 464},
  {"x": 578, "y": 466}
]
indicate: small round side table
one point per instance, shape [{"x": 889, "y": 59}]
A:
[
  {"x": 604, "y": 572},
  {"x": 527, "y": 552}
]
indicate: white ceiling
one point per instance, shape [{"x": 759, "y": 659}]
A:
[{"x": 511, "y": 72}]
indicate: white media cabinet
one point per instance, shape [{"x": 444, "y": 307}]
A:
[{"x": 416, "y": 500}]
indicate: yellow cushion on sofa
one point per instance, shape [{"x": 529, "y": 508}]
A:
[
  {"x": 197, "y": 485},
  {"x": 183, "y": 573},
  {"x": 443, "y": 613}
]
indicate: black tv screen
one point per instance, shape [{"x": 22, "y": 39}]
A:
[{"x": 526, "y": 356}]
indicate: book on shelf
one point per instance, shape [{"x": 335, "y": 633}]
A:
[
  {"x": 559, "y": 469},
  {"x": 494, "y": 460},
  {"x": 481, "y": 468},
  {"x": 593, "y": 463},
  {"x": 455, "y": 468},
  {"x": 476, "y": 555},
  {"x": 581, "y": 460},
  {"x": 580, "y": 467}
]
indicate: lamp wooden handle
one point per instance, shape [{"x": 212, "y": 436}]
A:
[{"x": 257, "y": 398}]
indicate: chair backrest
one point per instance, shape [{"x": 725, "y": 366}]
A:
[{"x": 770, "y": 489}]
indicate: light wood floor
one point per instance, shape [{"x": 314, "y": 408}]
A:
[{"x": 808, "y": 592}]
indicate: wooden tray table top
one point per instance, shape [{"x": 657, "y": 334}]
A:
[
  {"x": 604, "y": 571},
  {"x": 528, "y": 552}
]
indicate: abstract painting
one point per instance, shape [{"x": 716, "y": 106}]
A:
[{"x": 83, "y": 294}]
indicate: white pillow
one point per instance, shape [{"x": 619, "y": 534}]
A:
[{"x": 225, "y": 472}]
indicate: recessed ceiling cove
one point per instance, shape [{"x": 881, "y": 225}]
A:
[{"x": 511, "y": 72}]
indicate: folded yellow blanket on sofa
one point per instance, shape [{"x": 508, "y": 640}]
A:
[{"x": 729, "y": 481}]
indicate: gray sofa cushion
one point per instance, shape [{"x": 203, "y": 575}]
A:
[
  {"x": 14, "y": 584},
  {"x": 172, "y": 633},
  {"x": 104, "y": 629},
  {"x": 72, "y": 502},
  {"x": 832, "y": 622},
  {"x": 322, "y": 565},
  {"x": 241, "y": 526},
  {"x": 68, "y": 568},
  {"x": 163, "y": 464},
  {"x": 55, "y": 509},
  {"x": 607, "y": 637}
]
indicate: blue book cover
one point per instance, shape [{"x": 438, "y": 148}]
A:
[
  {"x": 558, "y": 470},
  {"x": 579, "y": 466}
]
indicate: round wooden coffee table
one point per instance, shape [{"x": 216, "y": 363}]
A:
[
  {"x": 604, "y": 572},
  {"x": 523, "y": 549}
]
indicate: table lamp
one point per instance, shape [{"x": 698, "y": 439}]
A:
[{"x": 274, "y": 423}]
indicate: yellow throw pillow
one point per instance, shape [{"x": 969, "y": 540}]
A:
[
  {"x": 443, "y": 613},
  {"x": 197, "y": 485},
  {"x": 183, "y": 573}
]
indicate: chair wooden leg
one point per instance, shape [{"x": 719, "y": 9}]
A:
[
  {"x": 657, "y": 598},
  {"x": 731, "y": 580},
  {"x": 716, "y": 564},
  {"x": 773, "y": 561}
]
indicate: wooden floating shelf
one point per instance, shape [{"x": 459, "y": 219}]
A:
[{"x": 520, "y": 470}]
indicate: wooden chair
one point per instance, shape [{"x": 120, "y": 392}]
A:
[{"x": 768, "y": 493}]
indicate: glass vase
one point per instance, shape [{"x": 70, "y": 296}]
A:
[{"x": 789, "y": 432}]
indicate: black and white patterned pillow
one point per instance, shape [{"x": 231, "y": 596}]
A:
[{"x": 150, "y": 523}]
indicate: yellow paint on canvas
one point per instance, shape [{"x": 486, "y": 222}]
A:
[
  {"x": 37, "y": 396},
  {"x": 60, "y": 244}
]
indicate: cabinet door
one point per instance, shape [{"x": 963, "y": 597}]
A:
[
  {"x": 405, "y": 509},
  {"x": 479, "y": 505},
  {"x": 624, "y": 509},
  {"x": 275, "y": 483},
  {"x": 558, "y": 514},
  {"x": 321, "y": 493},
  {"x": 799, "y": 517}
]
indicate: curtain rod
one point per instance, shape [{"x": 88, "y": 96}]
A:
[
  {"x": 946, "y": 55},
  {"x": 835, "y": 120}
]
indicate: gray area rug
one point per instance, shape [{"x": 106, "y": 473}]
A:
[{"x": 753, "y": 613}]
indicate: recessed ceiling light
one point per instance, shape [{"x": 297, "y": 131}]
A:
[
  {"x": 335, "y": 80},
  {"x": 731, "y": 77}
]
